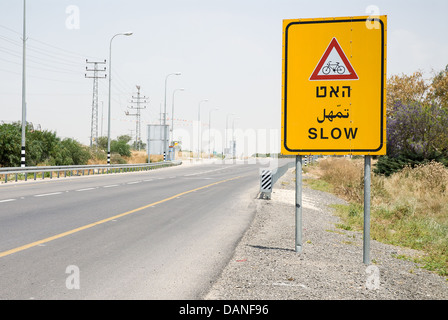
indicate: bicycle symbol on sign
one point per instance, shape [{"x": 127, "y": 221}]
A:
[{"x": 335, "y": 67}]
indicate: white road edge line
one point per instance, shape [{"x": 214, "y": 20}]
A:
[
  {"x": 134, "y": 182},
  {"x": 111, "y": 186}
]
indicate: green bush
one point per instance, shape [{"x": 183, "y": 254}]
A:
[
  {"x": 41, "y": 148},
  {"x": 119, "y": 146},
  {"x": 416, "y": 134},
  {"x": 78, "y": 153},
  {"x": 10, "y": 142},
  {"x": 389, "y": 165},
  {"x": 116, "y": 158}
]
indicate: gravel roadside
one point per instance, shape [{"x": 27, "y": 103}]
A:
[{"x": 266, "y": 267}]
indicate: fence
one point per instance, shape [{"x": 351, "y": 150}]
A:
[{"x": 24, "y": 172}]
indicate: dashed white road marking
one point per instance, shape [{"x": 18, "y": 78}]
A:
[
  {"x": 114, "y": 185},
  {"x": 202, "y": 172},
  {"x": 86, "y": 189},
  {"x": 47, "y": 194},
  {"x": 8, "y": 200}
]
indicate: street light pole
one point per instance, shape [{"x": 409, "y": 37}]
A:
[
  {"x": 172, "y": 114},
  {"x": 110, "y": 83},
  {"x": 22, "y": 152},
  {"x": 233, "y": 137},
  {"x": 164, "y": 116},
  {"x": 199, "y": 127},
  {"x": 227, "y": 129},
  {"x": 209, "y": 129}
]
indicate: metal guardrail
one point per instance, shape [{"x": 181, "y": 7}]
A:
[
  {"x": 269, "y": 177},
  {"x": 80, "y": 170}
]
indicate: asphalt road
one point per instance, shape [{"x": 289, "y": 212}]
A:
[{"x": 161, "y": 234}]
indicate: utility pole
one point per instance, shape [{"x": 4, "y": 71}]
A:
[
  {"x": 132, "y": 133},
  {"x": 161, "y": 114},
  {"x": 137, "y": 100},
  {"x": 94, "y": 120},
  {"x": 22, "y": 152}
]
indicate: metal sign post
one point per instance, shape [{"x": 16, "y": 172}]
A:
[
  {"x": 366, "y": 236},
  {"x": 298, "y": 214}
]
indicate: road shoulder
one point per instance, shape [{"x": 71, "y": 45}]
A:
[{"x": 266, "y": 267}]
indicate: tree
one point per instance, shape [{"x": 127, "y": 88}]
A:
[
  {"x": 121, "y": 146},
  {"x": 41, "y": 148},
  {"x": 10, "y": 142},
  {"x": 439, "y": 88},
  {"x": 124, "y": 138},
  {"x": 416, "y": 121},
  {"x": 77, "y": 153},
  {"x": 102, "y": 143},
  {"x": 406, "y": 88},
  {"x": 417, "y": 129}
]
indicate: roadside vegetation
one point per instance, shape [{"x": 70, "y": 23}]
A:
[
  {"x": 409, "y": 186},
  {"x": 417, "y": 117},
  {"x": 409, "y": 208},
  {"x": 45, "y": 148}
]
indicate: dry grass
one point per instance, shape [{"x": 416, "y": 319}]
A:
[
  {"x": 135, "y": 158},
  {"x": 345, "y": 176},
  {"x": 425, "y": 187},
  {"x": 409, "y": 208}
]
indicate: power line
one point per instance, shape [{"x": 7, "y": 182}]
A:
[
  {"x": 37, "y": 62},
  {"x": 40, "y": 78},
  {"x": 45, "y": 53},
  {"x": 66, "y": 71},
  {"x": 17, "y": 54},
  {"x": 63, "y": 50},
  {"x": 11, "y": 30},
  {"x": 79, "y": 55}
]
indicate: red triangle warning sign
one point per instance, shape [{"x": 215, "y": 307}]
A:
[{"x": 334, "y": 65}]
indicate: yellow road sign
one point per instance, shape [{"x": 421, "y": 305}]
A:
[{"x": 334, "y": 86}]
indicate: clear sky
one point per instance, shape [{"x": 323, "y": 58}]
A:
[{"x": 229, "y": 52}]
